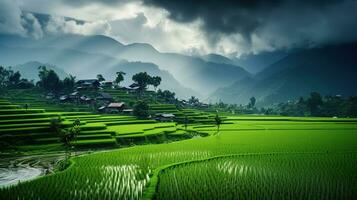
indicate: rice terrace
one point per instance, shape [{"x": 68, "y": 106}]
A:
[{"x": 171, "y": 100}]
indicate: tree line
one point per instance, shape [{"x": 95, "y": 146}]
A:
[
  {"x": 314, "y": 105},
  {"x": 10, "y": 79},
  {"x": 50, "y": 81},
  {"x": 319, "y": 106}
]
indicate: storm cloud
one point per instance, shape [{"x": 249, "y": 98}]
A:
[
  {"x": 13, "y": 20},
  {"x": 229, "y": 27},
  {"x": 267, "y": 25},
  {"x": 10, "y": 18}
]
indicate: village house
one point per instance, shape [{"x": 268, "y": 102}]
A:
[
  {"x": 102, "y": 96},
  {"x": 128, "y": 111},
  {"x": 25, "y": 84},
  {"x": 112, "y": 108},
  {"x": 102, "y": 109},
  {"x": 134, "y": 86},
  {"x": 107, "y": 84},
  {"x": 86, "y": 100},
  {"x": 131, "y": 88},
  {"x": 164, "y": 117},
  {"x": 115, "y": 107},
  {"x": 74, "y": 96},
  {"x": 64, "y": 98},
  {"x": 204, "y": 105},
  {"x": 86, "y": 84}
]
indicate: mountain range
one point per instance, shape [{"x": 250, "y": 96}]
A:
[
  {"x": 329, "y": 70},
  {"x": 86, "y": 56},
  {"x": 29, "y": 70},
  {"x": 253, "y": 63},
  {"x": 269, "y": 76}
]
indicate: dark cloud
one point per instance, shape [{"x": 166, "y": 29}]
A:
[
  {"x": 10, "y": 18},
  {"x": 227, "y": 26},
  {"x": 296, "y": 22},
  {"x": 231, "y": 15},
  {"x": 222, "y": 16},
  {"x": 14, "y": 21},
  {"x": 103, "y": 2}
]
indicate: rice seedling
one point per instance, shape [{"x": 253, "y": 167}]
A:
[{"x": 280, "y": 176}]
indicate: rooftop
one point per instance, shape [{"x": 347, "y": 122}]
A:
[{"x": 116, "y": 105}]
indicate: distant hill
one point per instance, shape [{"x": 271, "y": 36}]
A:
[
  {"x": 84, "y": 65},
  {"x": 84, "y": 56},
  {"x": 330, "y": 70},
  {"x": 253, "y": 63},
  {"x": 168, "y": 81},
  {"x": 216, "y": 58},
  {"x": 208, "y": 76},
  {"x": 29, "y": 70}
]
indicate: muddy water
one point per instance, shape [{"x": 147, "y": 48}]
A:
[
  {"x": 15, "y": 170},
  {"x": 11, "y": 176},
  {"x": 20, "y": 169}
]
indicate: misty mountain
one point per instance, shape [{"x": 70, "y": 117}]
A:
[
  {"x": 330, "y": 70},
  {"x": 193, "y": 72},
  {"x": 96, "y": 44},
  {"x": 29, "y": 70},
  {"x": 168, "y": 81},
  {"x": 82, "y": 64},
  {"x": 84, "y": 56},
  {"x": 202, "y": 76},
  {"x": 253, "y": 63},
  {"x": 196, "y": 73},
  {"x": 216, "y": 58}
]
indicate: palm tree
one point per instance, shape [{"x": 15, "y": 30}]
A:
[{"x": 119, "y": 78}]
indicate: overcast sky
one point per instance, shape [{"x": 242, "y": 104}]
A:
[{"x": 226, "y": 27}]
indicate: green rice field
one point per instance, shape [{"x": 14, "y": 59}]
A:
[
  {"x": 249, "y": 158},
  {"x": 25, "y": 128}
]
